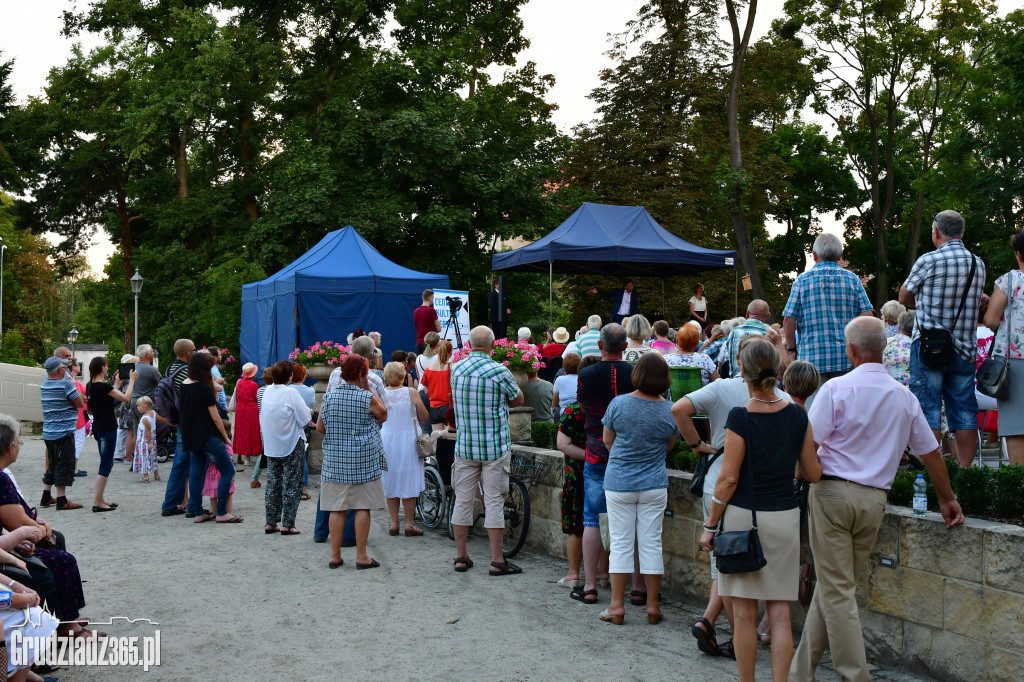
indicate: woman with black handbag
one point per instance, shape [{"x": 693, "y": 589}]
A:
[
  {"x": 1002, "y": 374},
  {"x": 758, "y": 542}
]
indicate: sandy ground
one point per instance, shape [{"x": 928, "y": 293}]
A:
[{"x": 234, "y": 603}]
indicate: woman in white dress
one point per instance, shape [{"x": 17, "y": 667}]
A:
[{"x": 403, "y": 480}]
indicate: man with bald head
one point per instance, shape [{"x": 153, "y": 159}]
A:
[
  {"x": 482, "y": 392},
  {"x": 758, "y": 314},
  {"x": 862, "y": 422}
]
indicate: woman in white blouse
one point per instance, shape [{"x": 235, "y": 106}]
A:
[{"x": 283, "y": 415}]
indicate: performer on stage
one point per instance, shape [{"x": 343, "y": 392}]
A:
[
  {"x": 497, "y": 320},
  {"x": 624, "y": 301}
]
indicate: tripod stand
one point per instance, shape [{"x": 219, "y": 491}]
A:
[{"x": 452, "y": 323}]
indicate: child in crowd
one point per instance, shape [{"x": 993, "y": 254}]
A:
[
  {"x": 145, "y": 441},
  {"x": 801, "y": 380},
  {"x": 410, "y": 371},
  {"x": 212, "y": 480}
]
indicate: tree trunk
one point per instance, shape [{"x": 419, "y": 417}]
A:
[
  {"x": 124, "y": 221},
  {"x": 913, "y": 241},
  {"x": 734, "y": 202},
  {"x": 180, "y": 147},
  {"x": 247, "y": 149}
]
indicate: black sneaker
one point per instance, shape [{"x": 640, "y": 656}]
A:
[
  {"x": 171, "y": 512},
  {"x": 320, "y": 540}
]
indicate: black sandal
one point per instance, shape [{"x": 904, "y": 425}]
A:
[
  {"x": 505, "y": 567},
  {"x": 727, "y": 651},
  {"x": 463, "y": 564},
  {"x": 638, "y": 597},
  {"x": 580, "y": 594},
  {"x": 707, "y": 640}
]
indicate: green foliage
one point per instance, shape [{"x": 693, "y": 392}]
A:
[
  {"x": 15, "y": 350},
  {"x": 901, "y": 493},
  {"x": 973, "y": 488},
  {"x": 115, "y": 351},
  {"x": 1008, "y": 491},
  {"x": 544, "y": 435},
  {"x": 681, "y": 457}
]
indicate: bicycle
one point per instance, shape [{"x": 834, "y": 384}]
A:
[{"x": 432, "y": 503}]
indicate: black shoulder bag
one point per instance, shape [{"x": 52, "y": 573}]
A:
[
  {"x": 937, "y": 348},
  {"x": 740, "y": 551},
  {"x": 993, "y": 375},
  {"x": 700, "y": 472}
]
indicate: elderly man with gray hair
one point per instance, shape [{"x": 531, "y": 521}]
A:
[
  {"x": 862, "y": 423},
  {"x": 945, "y": 287},
  {"x": 821, "y": 302},
  {"x": 587, "y": 343},
  {"x": 482, "y": 391}
]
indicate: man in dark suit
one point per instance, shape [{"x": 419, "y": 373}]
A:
[
  {"x": 624, "y": 301},
  {"x": 497, "y": 320}
]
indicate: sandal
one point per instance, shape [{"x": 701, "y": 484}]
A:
[
  {"x": 335, "y": 564},
  {"x": 156, "y": 476},
  {"x": 612, "y": 618},
  {"x": 393, "y": 529},
  {"x": 505, "y": 567},
  {"x": 233, "y": 519},
  {"x": 304, "y": 496},
  {"x": 727, "y": 650},
  {"x": 362, "y": 567},
  {"x": 271, "y": 529},
  {"x": 291, "y": 531},
  {"x": 638, "y": 597},
  {"x": 580, "y": 594},
  {"x": 463, "y": 564},
  {"x": 413, "y": 532},
  {"x": 707, "y": 640}
]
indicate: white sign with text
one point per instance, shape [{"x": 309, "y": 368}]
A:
[{"x": 443, "y": 308}]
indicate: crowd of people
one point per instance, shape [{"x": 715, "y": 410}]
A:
[{"x": 778, "y": 401}]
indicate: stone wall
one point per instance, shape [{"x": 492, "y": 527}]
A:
[{"x": 946, "y": 602}]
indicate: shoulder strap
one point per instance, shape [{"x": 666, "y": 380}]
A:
[{"x": 967, "y": 288}]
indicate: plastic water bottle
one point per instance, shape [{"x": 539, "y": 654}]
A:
[{"x": 920, "y": 496}]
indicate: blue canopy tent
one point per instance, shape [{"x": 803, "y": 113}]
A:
[
  {"x": 602, "y": 239},
  {"x": 339, "y": 285}
]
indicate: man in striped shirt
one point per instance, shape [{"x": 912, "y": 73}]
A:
[
  {"x": 482, "y": 392},
  {"x": 61, "y": 402},
  {"x": 587, "y": 344}
]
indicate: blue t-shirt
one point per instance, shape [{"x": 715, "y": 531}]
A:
[
  {"x": 59, "y": 416},
  {"x": 642, "y": 431}
]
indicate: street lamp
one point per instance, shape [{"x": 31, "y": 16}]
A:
[
  {"x": 136, "y": 281},
  {"x": 73, "y": 339}
]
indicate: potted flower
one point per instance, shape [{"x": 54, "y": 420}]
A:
[
  {"x": 320, "y": 358},
  {"x": 519, "y": 356}
]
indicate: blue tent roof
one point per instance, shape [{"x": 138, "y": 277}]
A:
[
  {"x": 339, "y": 285},
  {"x": 602, "y": 239}
]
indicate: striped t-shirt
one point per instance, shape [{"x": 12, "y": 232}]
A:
[
  {"x": 587, "y": 343},
  {"x": 59, "y": 415}
]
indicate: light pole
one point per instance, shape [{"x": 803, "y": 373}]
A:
[
  {"x": 2, "y": 249},
  {"x": 136, "y": 281},
  {"x": 73, "y": 339}
]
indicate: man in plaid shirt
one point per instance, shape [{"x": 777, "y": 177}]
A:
[
  {"x": 935, "y": 287},
  {"x": 758, "y": 313},
  {"x": 822, "y": 301},
  {"x": 482, "y": 392}
]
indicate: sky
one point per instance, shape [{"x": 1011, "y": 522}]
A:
[{"x": 568, "y": 39}]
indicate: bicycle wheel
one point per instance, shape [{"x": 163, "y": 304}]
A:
[
  {"x": 517, "y": 517},
  {"x": 451, "y": 506},
  {"x": 163, "y": 453},
  {"x": 431, "y": 503}
]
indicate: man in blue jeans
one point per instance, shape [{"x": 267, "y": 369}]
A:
[
  {"x": 178, "y": 478},
  {"x": 936, "y": 286}
]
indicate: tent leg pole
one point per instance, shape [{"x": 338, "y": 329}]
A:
[
  {"x": 664, "y": 305},
  {"x": 551, "y": 290},
  {"x": 736, "y": 291}
]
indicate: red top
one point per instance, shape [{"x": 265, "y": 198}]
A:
[
  {"x": 550, "y": 350},
  {"x": 423, "y": 317},
  {"x": 437, "y": 383}
]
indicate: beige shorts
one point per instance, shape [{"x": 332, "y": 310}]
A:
[{"x": 466, "y": 473}]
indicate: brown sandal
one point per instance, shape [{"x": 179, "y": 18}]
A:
[
  {"x": 463, "y": 564},
  {"x": 412, "y": 532},
  {"x": 505, "y": 567}
]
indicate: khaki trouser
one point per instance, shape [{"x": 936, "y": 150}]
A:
[{"x": 844, "y": 519}]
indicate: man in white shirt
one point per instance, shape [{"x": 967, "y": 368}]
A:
[
  {"x": 624, "y": 301},
  {"x": 283, "y": 414}
]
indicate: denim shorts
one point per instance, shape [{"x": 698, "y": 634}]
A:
[
  {"x": 952, "y": 385},
  {"x": 593, "y": 494}
]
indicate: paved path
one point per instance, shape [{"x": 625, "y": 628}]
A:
[{"x": 234, "y": 603}]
